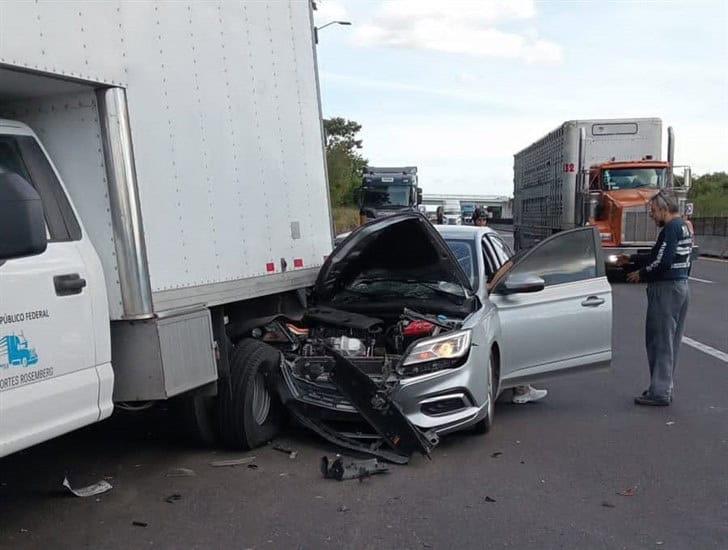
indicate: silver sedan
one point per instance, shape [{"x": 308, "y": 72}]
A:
[{"x": 415, "y": 329}]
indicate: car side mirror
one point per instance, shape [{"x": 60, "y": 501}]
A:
[
  {"x": 521, "y": 283},
  {"x": 22, "y": 222}
]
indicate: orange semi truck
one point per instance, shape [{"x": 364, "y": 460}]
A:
[{"x": 595, "y": 172}]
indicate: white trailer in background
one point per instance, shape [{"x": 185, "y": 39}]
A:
[{"x": 178, "y": 153}]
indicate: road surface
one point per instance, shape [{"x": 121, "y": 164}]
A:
[{"x": 549, "y": 475}]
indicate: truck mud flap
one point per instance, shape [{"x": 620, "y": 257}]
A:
[{"x": 377, "y": 408}]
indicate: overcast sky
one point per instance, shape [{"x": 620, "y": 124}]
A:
[{"x": 457, "y": 87}]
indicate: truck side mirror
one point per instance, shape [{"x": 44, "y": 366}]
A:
[
  {"x": 419, "y": 196},
  {"x": 356, "y": 194},
  {"x": 22, "y": 222}
]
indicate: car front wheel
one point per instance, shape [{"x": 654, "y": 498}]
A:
[{"x": 484, "y": 425}]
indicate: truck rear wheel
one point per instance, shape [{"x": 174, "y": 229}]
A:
[{"x": 249, "y": 413}]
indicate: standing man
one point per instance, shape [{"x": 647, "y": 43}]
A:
[
  {"x": 521, "y": 394},
  {"x": 665, "y": 270}
]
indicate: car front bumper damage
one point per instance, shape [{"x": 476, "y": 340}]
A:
[{"x": 354, "y": 394}]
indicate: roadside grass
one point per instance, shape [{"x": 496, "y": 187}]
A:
[
  {"x": 711, "y": 204},
  {"x": 346, "y": 218}
]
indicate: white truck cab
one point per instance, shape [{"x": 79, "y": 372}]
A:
[{"x": 55, "y": 363}]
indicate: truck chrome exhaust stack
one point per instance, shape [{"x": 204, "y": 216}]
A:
[{"x": 126, "y": 215}]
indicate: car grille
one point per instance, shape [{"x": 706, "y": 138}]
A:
[
  {"x": 638, "y": 227},
  {"x": 308, "y": 378}
]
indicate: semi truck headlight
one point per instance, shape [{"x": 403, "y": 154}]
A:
[{"x": 450, "y": 347}]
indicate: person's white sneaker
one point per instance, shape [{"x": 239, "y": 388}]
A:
[{"x": 524, "y": 394}]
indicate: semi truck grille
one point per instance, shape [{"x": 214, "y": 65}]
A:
[{"x": 638, "y": 227}]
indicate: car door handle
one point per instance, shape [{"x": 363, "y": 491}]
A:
[
  {"x": 592, "y": 301},
  {"x": 66, "y": 285}
]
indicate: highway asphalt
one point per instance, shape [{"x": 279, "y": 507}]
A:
[{"x": 584, "y": 468}]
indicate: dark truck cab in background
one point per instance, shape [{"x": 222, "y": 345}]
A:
[{"x": 386, "y": 191}]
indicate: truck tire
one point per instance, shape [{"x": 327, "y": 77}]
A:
[
  {"x": 250, "y": 414},
  {"x": 484, "y": 425}
]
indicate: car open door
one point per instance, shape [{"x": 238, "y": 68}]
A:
[{"x": 555, "y": 308}]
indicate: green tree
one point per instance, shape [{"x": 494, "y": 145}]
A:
[
  {"x": 345, "y": 164},
  {"x": 709, "y": 194}
]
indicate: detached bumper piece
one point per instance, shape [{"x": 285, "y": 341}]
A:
[
  {"x": 396, "y": 438},
  {"x": 342, "y": 469}
]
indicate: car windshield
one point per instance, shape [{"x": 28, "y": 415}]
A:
[
  {"x": 633, "y": 178},
  {"x": 464, "y": 253},
  {"x": 386, "y": 196}
]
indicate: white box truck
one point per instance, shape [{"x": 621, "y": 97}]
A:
[
  {"x": 162, "y": 179},
  {"x": 600, "y": 172}
]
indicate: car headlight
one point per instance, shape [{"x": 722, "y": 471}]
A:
[{"x": 444, "y": 352}]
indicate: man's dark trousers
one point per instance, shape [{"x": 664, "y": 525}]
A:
[{"x": 667, "y": 306}]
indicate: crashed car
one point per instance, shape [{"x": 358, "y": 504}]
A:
[{"x": 413, "y": 330}]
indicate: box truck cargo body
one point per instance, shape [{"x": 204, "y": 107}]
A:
[
  {"x": 177, "y": 150},
  {"x": 594, "y": 172}
]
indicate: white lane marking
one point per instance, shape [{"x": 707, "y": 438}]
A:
[
  {"x": 723, "y": 356},
  {"x": 721, "y": 260},
  {"x": 700, "y": 280}
]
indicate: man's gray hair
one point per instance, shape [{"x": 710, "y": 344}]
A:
[{"x": 663, "y": 201}]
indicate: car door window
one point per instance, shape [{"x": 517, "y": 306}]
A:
[
  {"x": 23, "y": 156},
  {"x": 502, "y": 250},
  {"x": 564, "y": 258},
  {"x": 490, "y": 261}
]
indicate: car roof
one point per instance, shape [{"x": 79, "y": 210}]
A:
[{"x": 474, "y": 232}]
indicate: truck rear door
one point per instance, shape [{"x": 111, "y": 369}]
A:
[{"x": 48, "y": 380}]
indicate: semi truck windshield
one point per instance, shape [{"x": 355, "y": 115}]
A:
[
  {"x": 633, "y": 178},
  {"x": 383, "y": 196}
]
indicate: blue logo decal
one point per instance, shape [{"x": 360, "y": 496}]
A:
[{"x": 14, "y": 352}]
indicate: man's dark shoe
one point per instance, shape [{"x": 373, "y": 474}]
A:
[{"x": 647, "y": 399}]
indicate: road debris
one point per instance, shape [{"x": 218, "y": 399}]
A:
[
  {"x": 290, "y": 452},
  {"x": 253, "y": 466},
  {"x": 89, "y": 491},
  {"x": 608, "y": 504},
  {"x": 629, "y": 492},
  {"x": 489, "y": 499},
  {"x": 140, "y": 524},
  {"x": 496, "y": 454},
  {"x": 343, "y": 509},
  {"x": 348, "y": 468},
  {"x": 232, "y": 462},
  {"x": 669, "y": 423},
  {"x": 180, "y": 472},
  {"x": 171, "y": 499}
]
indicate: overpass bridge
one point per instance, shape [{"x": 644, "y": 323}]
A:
[{"x": 500, "y": 206}]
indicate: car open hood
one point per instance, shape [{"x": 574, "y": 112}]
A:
[{"x": 400, "y": 246}]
